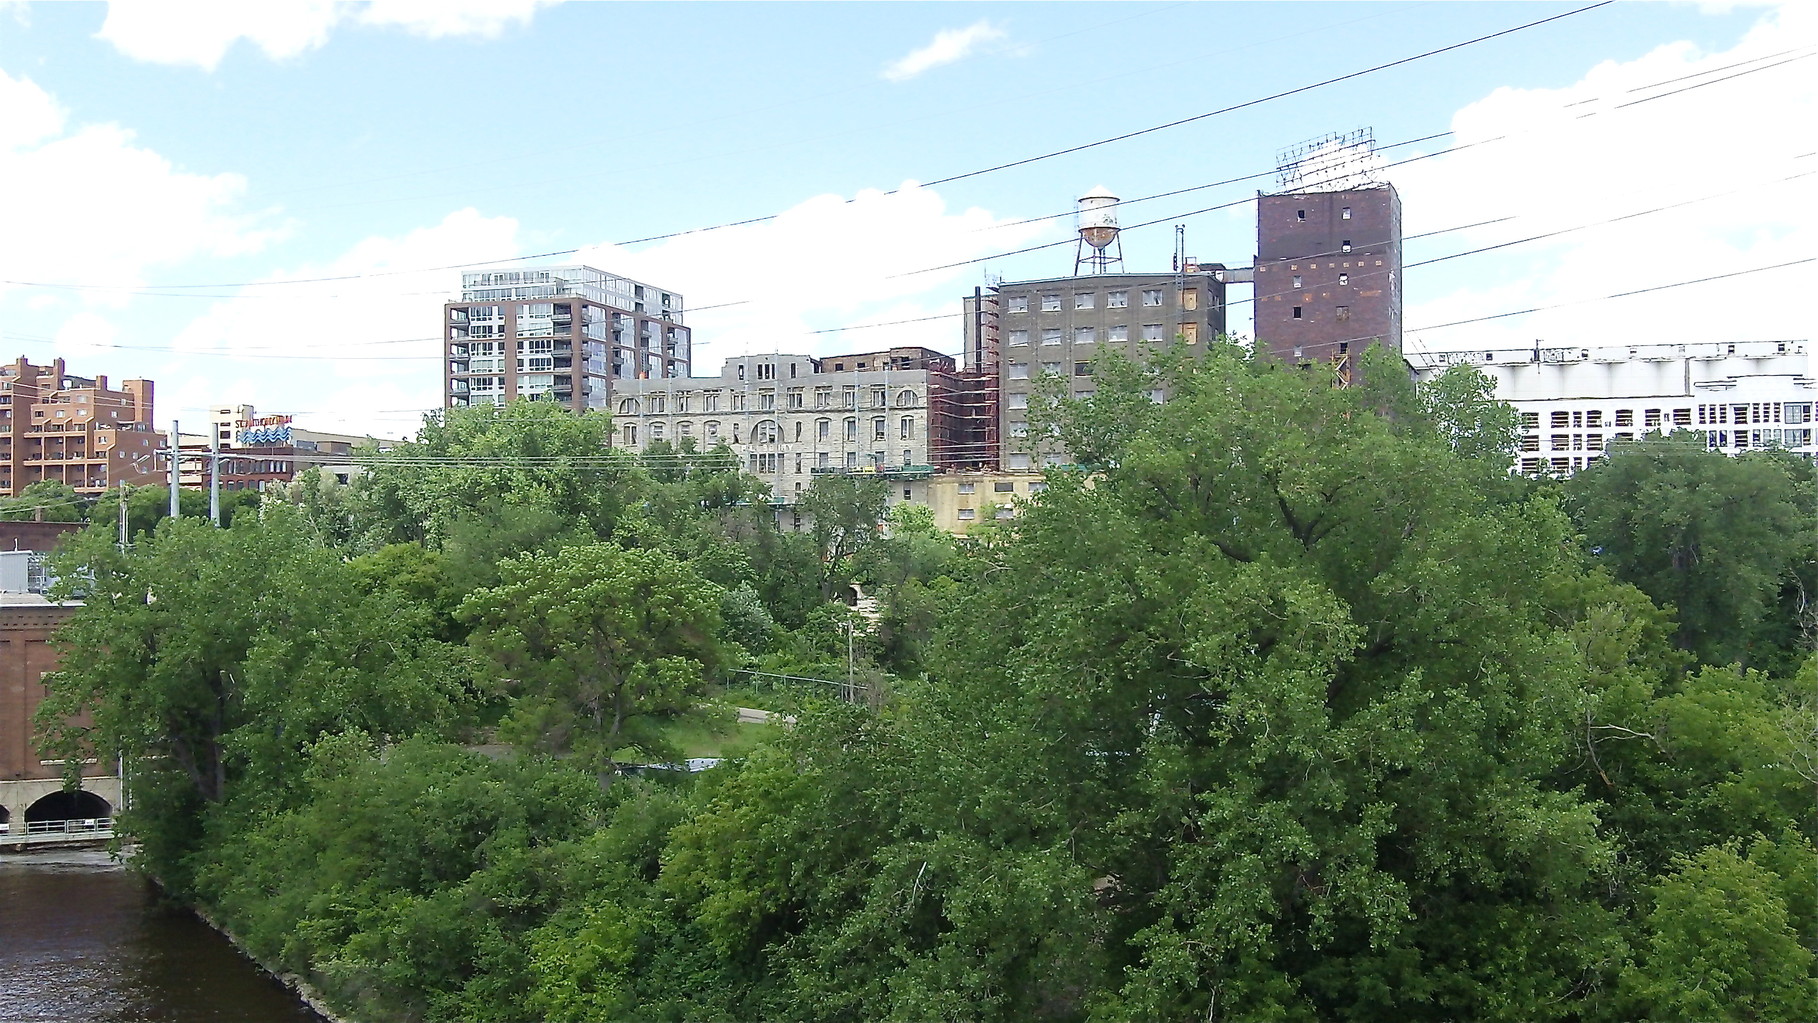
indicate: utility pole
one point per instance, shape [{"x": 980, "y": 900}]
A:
[
  {"x": 175, "y": 511},
  {"x": 123, "y": 517},
  {"x": 214, "y": 475}
]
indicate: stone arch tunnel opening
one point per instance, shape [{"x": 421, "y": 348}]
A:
[{"x": 68, "y": 806}]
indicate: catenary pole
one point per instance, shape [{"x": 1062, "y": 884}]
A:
[{"x": 174, "y": 437}]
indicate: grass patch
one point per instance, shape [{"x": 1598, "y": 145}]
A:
[{"x": 712, "y": 730}]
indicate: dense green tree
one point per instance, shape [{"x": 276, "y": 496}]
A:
[
  {"x": 148, "y": 506},
  {"x": 1722, "y": 944},
  {"x": 1296, "y": 674},
  {"x": 45, "y": 501},
  {"x": 845, "y": 512},
  {"x": 210, "y": 658},
  {"x": 466, "y": 461},
  {"x": 404, "y": 885},
  {"x": 1711, "y": 536},
  {"x": 595, "y": 638}
]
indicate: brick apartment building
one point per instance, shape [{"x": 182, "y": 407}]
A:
[{"x": 74, "y": 430}]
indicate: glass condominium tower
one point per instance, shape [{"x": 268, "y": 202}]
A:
[{"x": 561, "y": 334}]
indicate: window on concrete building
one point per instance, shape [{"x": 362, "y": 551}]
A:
[
  {"x": 1019, "y": 337},
  {"x": 629, "y": 434},
  {"x": 1297, "y": 281},
  {"x": 1300, "y": 215},
  {"x": 1117, "y": 300},
  {"x": 1119, "y": 332},
  {"x": 1051, "y": 303},
  {"x": 1682, "y": 417},
  {"x": 1003, "y": 487},
  {"x": 1051, "y": 367},
  {"x": 1019, "y": 371},
  {"x": 1019, "y": 462},
  {"x": 967, "y": 488},
  {"x": 1344, "y": 280},
  {"x": 967, "y": 514},
  {"x": 1018, "y": 304},
  {"x": 1297, "y": 312},
  {"x": 1344, "y": 246},
  {"x": 1084, "y": 300},
  {"x": 1082, "y": 369},
  {"x": 1152, "y": 296},
  {"x": 851, "y": 429},
  {"x": 1345, "y": 214},
  {"x": 1051, "y": 336},
  {"x": 877, "y": 427},
  {"x": 1651, "y": 417},
  {"x": 1343, "y": 312},
  {"x": 823, "y": 428},
  {"x": 905, "y": 427},
  {"x": 1084, "y": 335},
  {"x": 1016, "y": 401},
  {"x": 1625, "y": 417}
]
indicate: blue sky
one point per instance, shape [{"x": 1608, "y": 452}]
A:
[{"x": 168, "y": 171}]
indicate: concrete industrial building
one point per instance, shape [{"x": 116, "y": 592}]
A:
[
  {"x": 905, "y": 413},
  {"x": 1018, "y": 333},
  {"x": 1328, "y": 275},
  {"x": 565, "y": 334},
  {"x": 1576, "y": 402},
  {"x": 74, "y": 430}
]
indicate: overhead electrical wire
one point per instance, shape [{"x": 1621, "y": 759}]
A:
[
  {"x": 244, "y": 353},
  {"x": 929, "y": 184}
]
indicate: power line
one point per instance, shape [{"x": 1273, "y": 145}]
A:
[{"x": 937, "y": 181}]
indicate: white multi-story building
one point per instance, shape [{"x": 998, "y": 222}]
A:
[
  {"x": 1576, "y": 402},
  {"x": 902, "y": 413},
  {"x": 564, "y": 333}
]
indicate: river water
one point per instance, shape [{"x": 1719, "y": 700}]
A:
[{"x": 83, "y": 940}]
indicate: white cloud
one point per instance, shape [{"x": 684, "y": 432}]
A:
[
  {"x": 99, "y": 208},
  {"x": 199, "y": 33},
  {"x": 948, "y": 46},
  {"x": 87, "y": 336},
  {"x": 825, "y": 262},
  {"x": 355, "y": 354},
  {"x": 438, "y": 18},
  {"x": 1601, "y": 148},
  {"x": 28, "y": 114}
]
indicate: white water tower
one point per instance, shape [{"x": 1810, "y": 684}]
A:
[{"x": 1098, "y": 233}]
